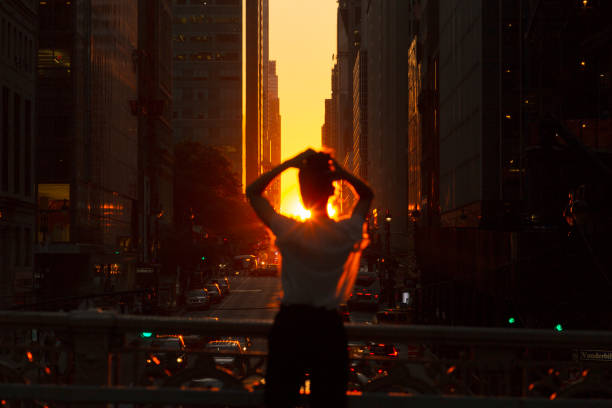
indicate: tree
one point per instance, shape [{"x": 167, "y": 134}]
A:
[{"x": 207, "y": 193}]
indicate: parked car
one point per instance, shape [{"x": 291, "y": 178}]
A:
[
  {"x": 223, "y": 284},
  {"x": 215, "y": 292},
  {"x": 197, "y": 299}
]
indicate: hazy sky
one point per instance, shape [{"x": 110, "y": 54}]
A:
[{"x": 302, "y": 41}]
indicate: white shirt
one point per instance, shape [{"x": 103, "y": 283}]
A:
[{"x": 320, "y": 259}]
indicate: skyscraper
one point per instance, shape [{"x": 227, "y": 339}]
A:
[
  {"x": 155, "y": 140},
  {"x": 207, "y": 75},
  {"x": 18, "y": 38},
  {"x": 272, "y": 142},
  {"x": 256, "y": 85},
  {"x": 87, "y": 170}
]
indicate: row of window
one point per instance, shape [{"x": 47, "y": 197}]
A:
[
  {"x": 208, "y": 56},
  {"x": 15, "y": 143},
  {"x": 16, "y": 47},
  {"x": 207, "y": 2},
  {"x": 222, "y": 38},
  {"x": 202, "y": 113},
  {"x": 208, "y": 135},
  {"x": 204, "y": 19}
]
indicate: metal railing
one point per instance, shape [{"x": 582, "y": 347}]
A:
[{"x": 102, "y": 363}]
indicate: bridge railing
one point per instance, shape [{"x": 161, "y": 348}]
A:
[{"x": 93, "y": 357}]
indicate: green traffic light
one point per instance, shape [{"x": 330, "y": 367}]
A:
[
  {"x": 146, "y": 334},
  {"x": 203, "y": 258},
  {"x": 512, "y": 320},
  {"x": 558, "y": 327},
  {"x": 116, "y": 252}
]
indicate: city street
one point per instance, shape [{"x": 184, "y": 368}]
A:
[{"x": 249, "y": 298}]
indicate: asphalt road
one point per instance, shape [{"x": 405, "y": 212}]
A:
[{"x": 250, "y": 298}]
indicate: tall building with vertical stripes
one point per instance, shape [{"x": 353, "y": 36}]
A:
[{"x": 18, "y": 42}]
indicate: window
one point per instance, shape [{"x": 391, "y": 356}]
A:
[
  {"x": 199, "y": 38},
  {"x": 27, "y": 238},
  {"x": 187, "y": 94},
  {"x": 200, "y": 75},
  {"x": 2, "y": 37},
  {"x": 5, "y": 138},
  {"x": 187, "y": 113},
  {"x": 27, "y": 159},
  {"x": 228, "y": 38},
  {"x": 17, "y": 144},
  {"x": 17, "y": 258}
]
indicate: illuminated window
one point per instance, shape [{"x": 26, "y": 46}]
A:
[{"x": 54, "y": 212}]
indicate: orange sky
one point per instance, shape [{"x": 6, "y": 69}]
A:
[{"x": 302, "y": 41}]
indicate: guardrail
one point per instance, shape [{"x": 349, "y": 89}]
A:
[{"x": 102, "y": 362}]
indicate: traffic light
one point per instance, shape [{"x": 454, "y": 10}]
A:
[
  {"x": 203, "y": 258},
  {"x": 511, "y": 320},
  {"x": 146, "y": 335},
  {"x": 559, "y": 327}
]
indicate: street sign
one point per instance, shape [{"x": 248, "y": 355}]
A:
[{"x": 595, "y": 355}]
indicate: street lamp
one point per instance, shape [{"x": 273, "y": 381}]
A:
[{"x": 388, "y": 233}]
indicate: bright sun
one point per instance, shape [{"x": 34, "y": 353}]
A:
[{"x": 293, "y": 207}]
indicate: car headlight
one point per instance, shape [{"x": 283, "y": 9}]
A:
[{"x": 179, "y": 360}]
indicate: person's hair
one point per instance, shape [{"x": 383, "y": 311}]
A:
[{"x": 316, "y": 180}]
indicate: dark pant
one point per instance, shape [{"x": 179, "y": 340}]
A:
[{"x": 307, "y": 343}]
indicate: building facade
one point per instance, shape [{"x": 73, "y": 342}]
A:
[
  {"x": 257, "y": 55},
  {"x": 18, "y": 43},
  {"x": 272, "y": 142},
  {"x": 155, "y": 138},
  {"x": 207, "y": 75},
  {"x": 385, "y": 38},
  {"x": 87, "y": 147}
]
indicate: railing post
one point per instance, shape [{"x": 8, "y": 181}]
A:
[{"x": 91, "y": 347}]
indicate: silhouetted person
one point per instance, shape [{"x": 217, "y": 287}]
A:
[{"x": 320, "y": 260}]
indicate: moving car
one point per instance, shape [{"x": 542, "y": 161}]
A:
[
  {"x": 233, "y": 350},
  {"x": 223, "y": 284},
  {"x": 266, "y": 270},
  {"x": 366, "y": 292},
  {"x": 197, "y": 299},
  {"x": 245, "y": 342},
  {"x": 344, "y": 312},
  {"x": 170, "y": 358},
  {"x": 215, "y": 292},
  {"x": 244, "y": 264}
]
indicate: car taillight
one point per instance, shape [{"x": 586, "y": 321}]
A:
[
  {"x": 368, "y": 294},
  {"x": 376, "y": 296}
]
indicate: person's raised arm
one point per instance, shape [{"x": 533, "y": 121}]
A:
[
  {"x": 365, "y": 193},
  {"x": 254, "y": 191}
]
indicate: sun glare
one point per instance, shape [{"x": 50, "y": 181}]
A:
[{"x": 331, "y": 210}]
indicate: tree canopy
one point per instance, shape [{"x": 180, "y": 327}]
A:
[{"x": 209, "y": 194}]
